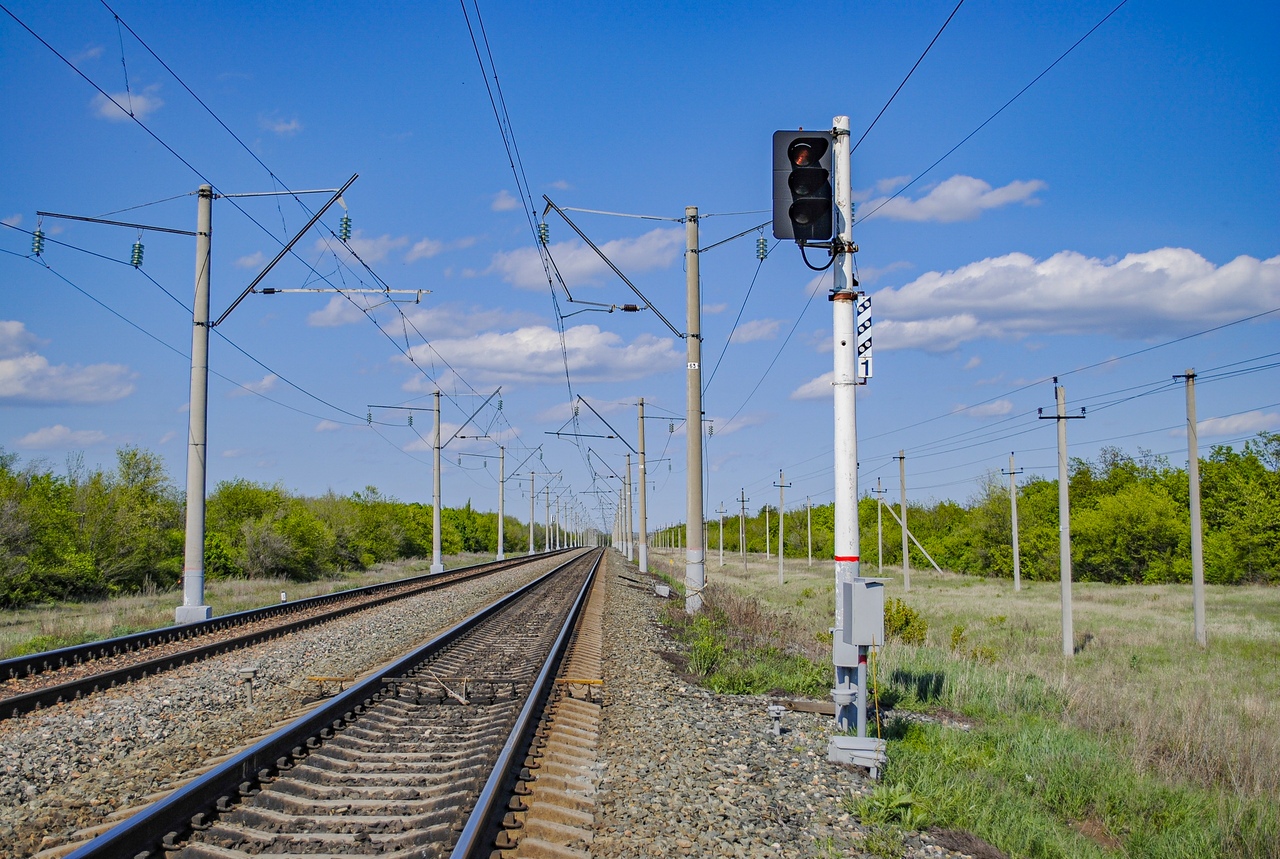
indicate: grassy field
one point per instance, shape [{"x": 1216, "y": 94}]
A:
[
  {"x": 1141, "y": 744},
  {"x": 39, "y": 628}
]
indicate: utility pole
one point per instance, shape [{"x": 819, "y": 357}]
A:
[
  {"x": 1013, "y": 515},
  {"x": 631, "y": 541},
  {"x": 851, "y": 646},
  {"x": 193, "y": 606},
  {"x": 437, "y": 565},
  {"x": 624, "y": 537},
  {"x": 782, "y": 488},
  {"x": 722, "y": 533},
  {"x": 766, "y": 532},
  {"x": 742, "y": 528},
  {"x": 532, "y": 495},
  {"x": 1197, "y": 525},
  {"x": 546, "y": 520},
  {"x": 502, "y": 491},
  {"x": 644, "y": 509},
  {"x": 906, "y": 557},
  {"x": 808, "y": 515},
  {"x": 695, "y": 574},
  {"x": 879, "y": 528},
  {"x": 1064, "y": 514}
]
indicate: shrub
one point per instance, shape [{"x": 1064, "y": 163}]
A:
[{"x": 904, "y": 623}]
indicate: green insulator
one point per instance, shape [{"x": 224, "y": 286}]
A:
[
  {"x": 410, "y": 420},
  {"x": 368, "y": 418},
  {"x": 499, "y": 403},
  {"x": 37, "y": 242},
  {"x": 762, "y": 248},
  {"x": 344, "y": 228},
  {"x": 135, "y": 258},
  {"x": 544, "y": 233}
]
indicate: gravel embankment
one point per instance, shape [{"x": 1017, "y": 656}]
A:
[
  {"x": 691, "y": 773},
  {"x": 67, "y": 767}
]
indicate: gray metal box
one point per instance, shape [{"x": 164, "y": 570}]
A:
[{"x": 863, "y": 611}]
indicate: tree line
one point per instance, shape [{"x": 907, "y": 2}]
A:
[
  {"x": 1130, "y": 522},
  {"x": 86, "y": 534}
]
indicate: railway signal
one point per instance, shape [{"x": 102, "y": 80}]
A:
[{"x": 802, "y": 193}]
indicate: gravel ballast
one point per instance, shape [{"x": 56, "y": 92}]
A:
[
  {"x": 688, "y": 772},
  {"x": 68, "y": 767}
]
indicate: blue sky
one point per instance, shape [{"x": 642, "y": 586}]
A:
[{"x": 1127, "y": 199}]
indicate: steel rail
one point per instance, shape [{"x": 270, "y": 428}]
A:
[
  {"x": 63, "y": 657},
  {"x": 164, "y": 824},
  {"x": 15, "y": 705},
  {"x": 475, "y": 836}
]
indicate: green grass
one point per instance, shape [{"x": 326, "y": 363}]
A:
[{"x": 1142, "y": 745}]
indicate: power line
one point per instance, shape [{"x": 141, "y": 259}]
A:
[
  {"x": 946, "y": 155},
  {"x": 907, "y": 78}
]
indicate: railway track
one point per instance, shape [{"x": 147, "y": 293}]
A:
[
  {"x": 423, "y": 759},
  {"x": 43, "y": 679}
]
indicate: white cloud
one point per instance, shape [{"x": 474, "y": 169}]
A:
[
  {"x": 819, "y": 283},
  {"x": 27, "y": 377},
  {"x": 724, "y": 427},
  {"x": 986, "y": 410},
  {"x": 532, "y": 355},
  {"x": 168, "y": 437},
  {"x": 457, "y": 320},
  {"x": 371, "y": 250},
  {"x": 1159, "y": 293},
  {"x": 427, "y": 247},
  {"x": 564, "y": 410},
  {"x": 143, "y": 104},
  {"x": 960, "y": 198},
  {"x": 16, "y": 340},
  {"x": 90, "y": 53},
  {"x": 712, "y": 309},
  {"x": 884, "y": 186},
  {"x": 815, "y": 389},
  {"x": 561, "y": 185},
  {"x": 253, "y": 260},
  {"x": 266, "y": 383},
  {"x": 1242, "y": 424},
  {"x": 424, "y": 249},
  {"x": 932, "y": 335},
  {"x": 328, "y": 426},
  {"x": 972, "y": 363},
  {"x": 58, "y": 436},
  {"x": 756, "y": 329},
  {"x": 868, "y": 274},
  {"x": 339, "y": 311},
  {"x": 504, "y": 202},
  {"x": 234, "y": 453},
  {"x": 580, "y": 266},
  {"x": 12, "y": 220},
  {"x": 282, "y": 127}
]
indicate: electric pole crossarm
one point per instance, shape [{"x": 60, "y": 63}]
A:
[
  {"x": 271, "y": 290},
  {"x": 614, "y": 268},
  {"x": 471, "y": 417},
  {"x": 616, "y": 434},
  {"x": 284, "y": 250},
  {"x": 147, "y": 227}
]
